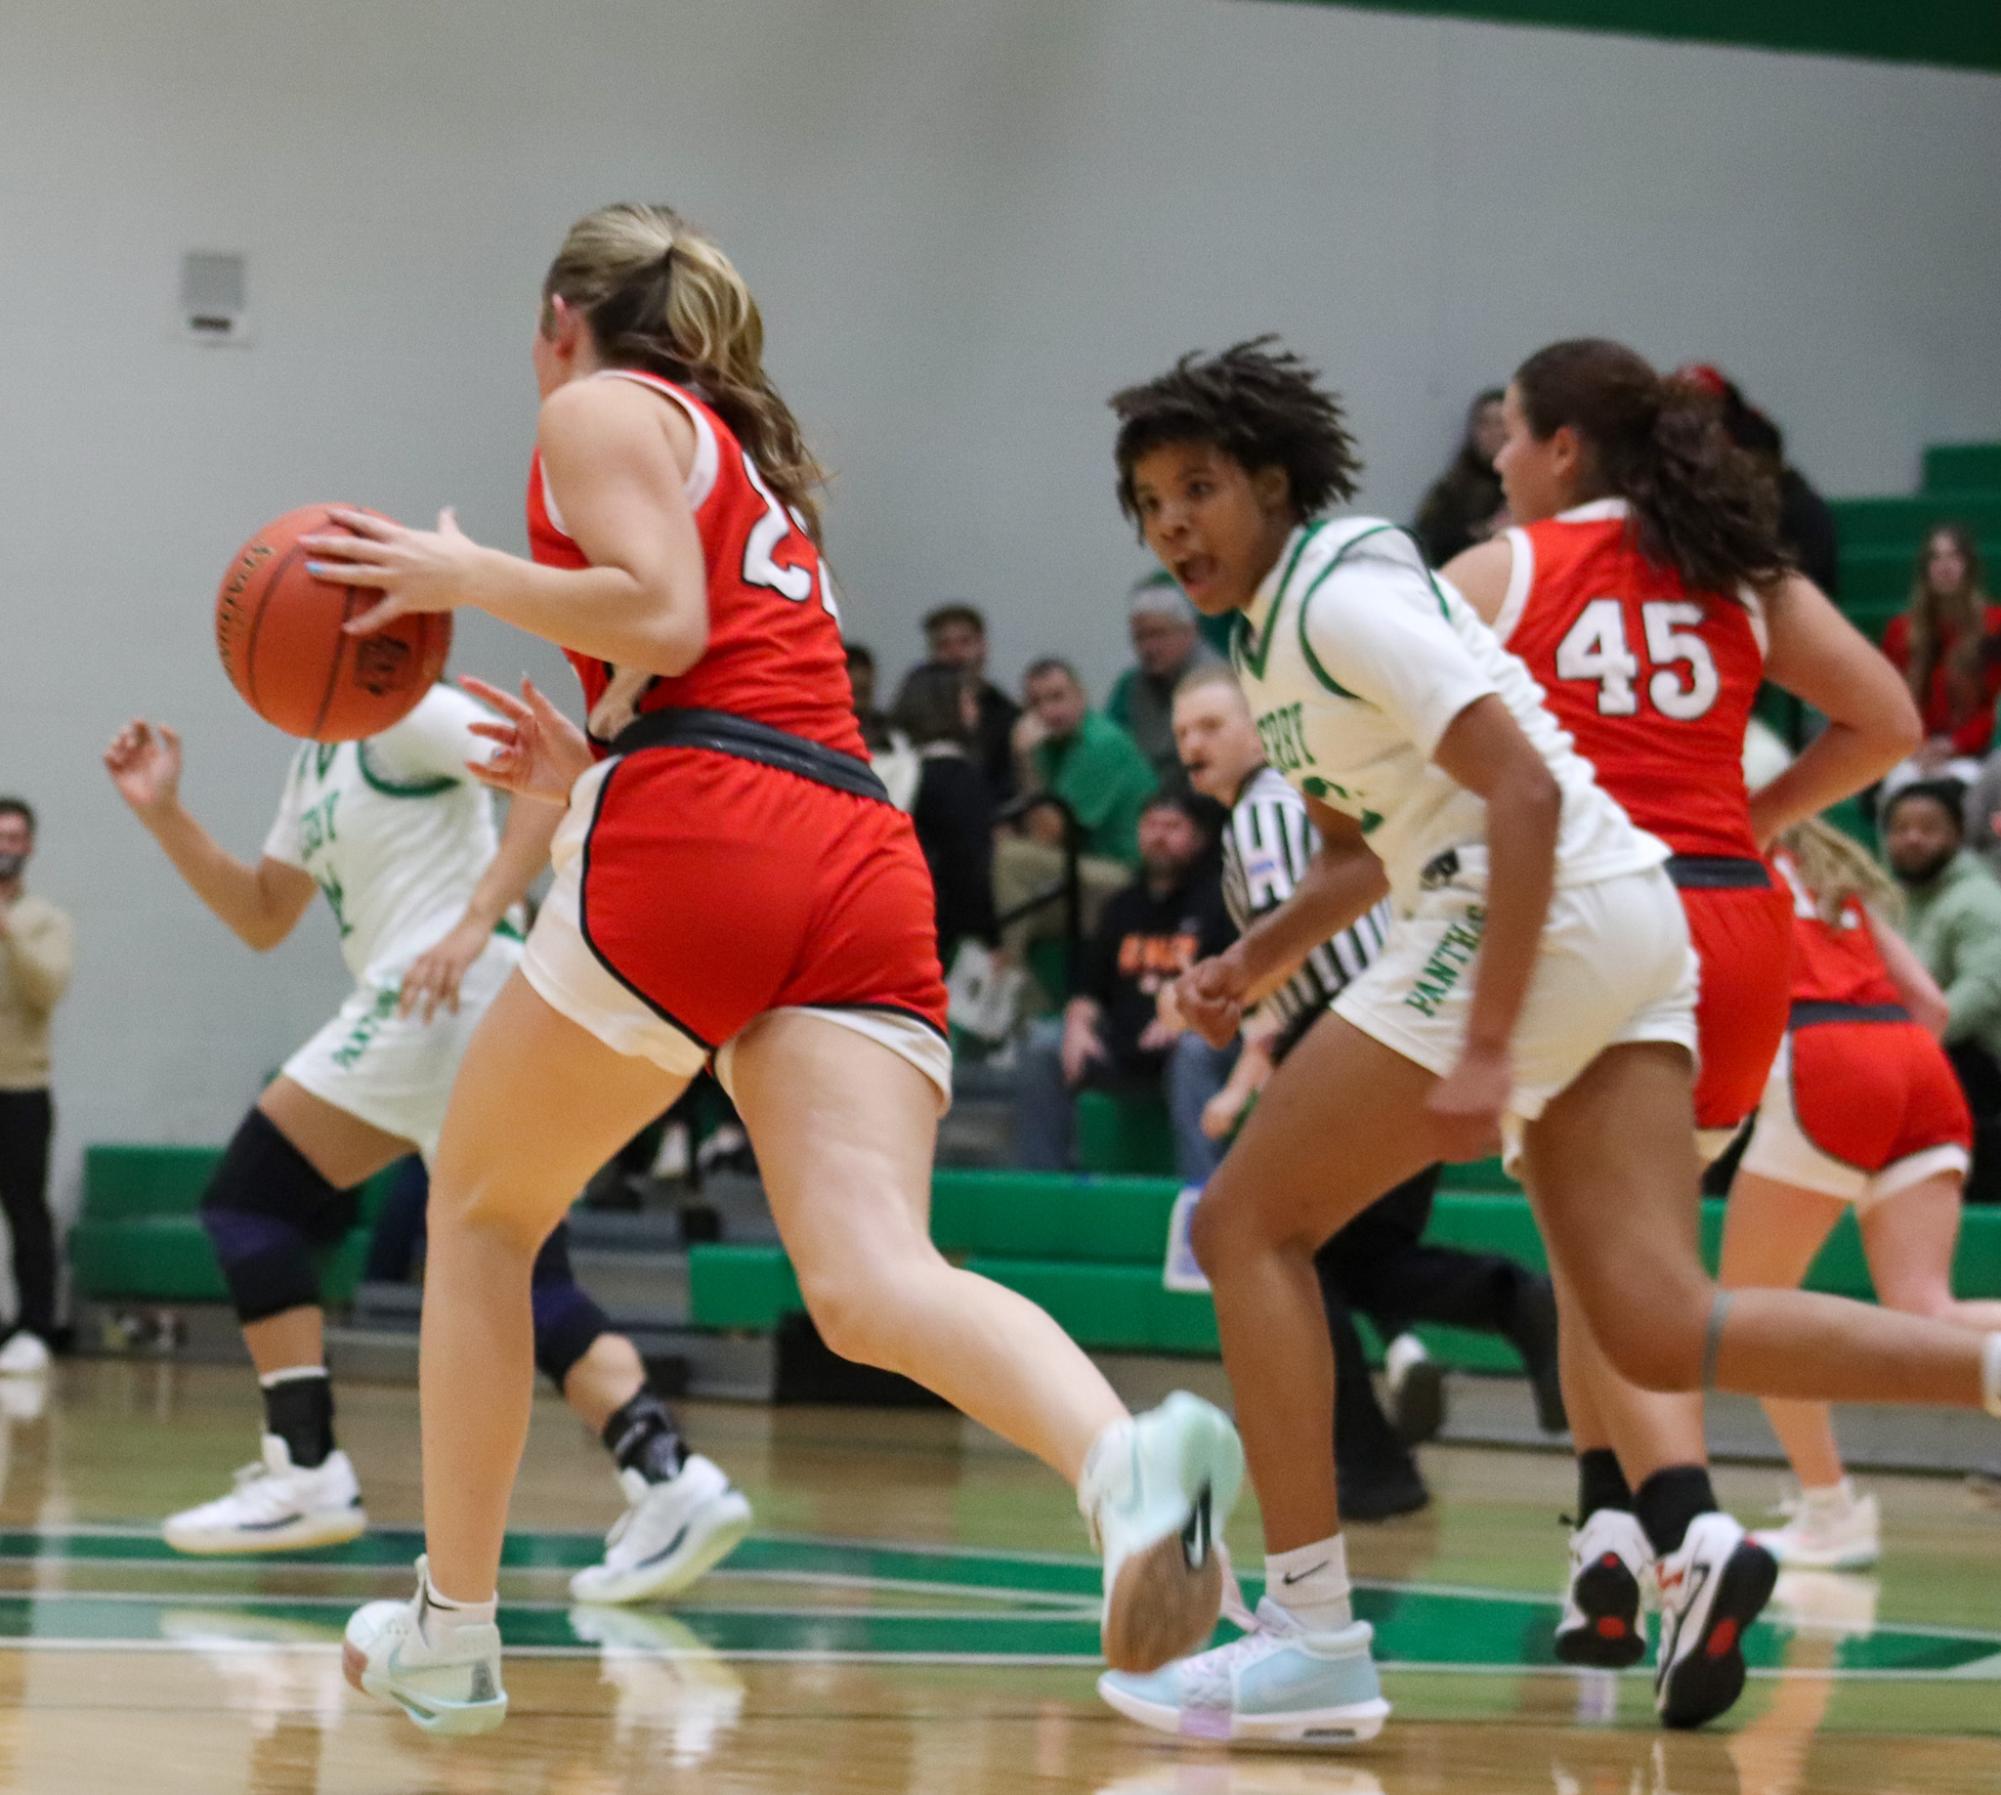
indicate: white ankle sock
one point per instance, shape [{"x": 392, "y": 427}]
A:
[
  {"x": 1990, "y": 1374},
  {"x": 1831, "y": 1498},
  {"x": 441, "y": 1617},
  {"x": 1091, "y": 1485},
  {"x": 1311, "y": 1584}
]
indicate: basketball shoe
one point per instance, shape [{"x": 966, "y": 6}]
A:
[
  {"x": 444, "y": 1675},
  {"x": 670, "y": 1534},
  {"x": 1156, "y": 1492},
  {"x": 1711, "y": 1589},
  {"x": 1279, "y": 1684},
  {"x": 276, "y": 1506},
  {"x": 1610, "y": 1563},
  {"x": 1826, "y": 1530}
]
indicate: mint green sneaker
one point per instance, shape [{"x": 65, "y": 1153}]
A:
[
  {"x": 1156, "y": 1493},
  {"x": 1278, "y": 1685},
  {"x": 452, "y": 1688}
]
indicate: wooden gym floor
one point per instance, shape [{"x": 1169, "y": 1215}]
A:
[{"x": 914, "y": 1613}]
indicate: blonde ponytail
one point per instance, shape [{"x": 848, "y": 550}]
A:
[
  {"x": 660, "y": 296},
  {"x": 1834, "y": 867}
]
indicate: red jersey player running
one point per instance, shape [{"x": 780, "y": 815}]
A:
[
  {"x": 1863, "y": 1109},
  {"x": 732, "y": 884},
  {"x": 1646, "y": 593}
]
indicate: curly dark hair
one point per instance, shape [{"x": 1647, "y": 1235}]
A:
[
  {"x": 1700, "y": 504},
  {"x": 1258, "y": 403}
]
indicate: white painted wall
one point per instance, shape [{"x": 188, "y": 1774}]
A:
[{"x": 968, "y": 221}]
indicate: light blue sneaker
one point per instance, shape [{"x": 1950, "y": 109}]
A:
[
  {"x": 1156, "y": 1492},
  {"x": 451, "y": 1687},
  {"x": 1279, "y": 1685}
]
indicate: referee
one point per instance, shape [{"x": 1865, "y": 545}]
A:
[{"x": 1378, "y": 1263}]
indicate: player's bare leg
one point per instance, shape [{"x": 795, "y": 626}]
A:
[
  {"x": 302, "y": 1492},
  {"x": 1625, "y": 1125},
  {"x": 1292, "y": 1177},
  {"x": 1772, "y": 1235},
  {"x": 844, "y": 1130},
  {"x": 539, "y": 1104}
]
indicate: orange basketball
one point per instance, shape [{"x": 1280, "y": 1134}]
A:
[{"x": 279, "y": 633}]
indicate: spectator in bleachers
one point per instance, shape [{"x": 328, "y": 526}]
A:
[
  {"x": 36, "y": 955},
  {"x": 1952, "y": 918},
  {"x": 1074, "y": 753},
  {"x": 1806, "y": 524},
  {"x": 1110, "y": 1034},
  {"x": 889, "y": 751},
  {"x": 1947, "y": 645},
  {"x": 1166, "y": 648},
  {"x": 937, "y": 711},
  {"x": 1464, "y": 505},
  {"x": 955, "y": 635}
]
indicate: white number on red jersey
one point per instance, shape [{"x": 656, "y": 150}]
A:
[
  {"x": 1684, "y": 682},
  {"x": 760, "y": 566}
]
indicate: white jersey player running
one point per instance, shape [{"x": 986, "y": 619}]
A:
[
  {"x": 1537, "y": 976},
  {"x": 402, "y": 841}
]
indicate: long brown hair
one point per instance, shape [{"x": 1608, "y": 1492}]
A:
[
  {"x": 1835, "y": 868},
  {"x": 1948, "y": 628},
  {"x": 1700, "y": 505},
  {"x": 660, "y": 296}
]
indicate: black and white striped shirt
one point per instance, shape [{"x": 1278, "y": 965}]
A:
[{"x": 1266, "y": 850}]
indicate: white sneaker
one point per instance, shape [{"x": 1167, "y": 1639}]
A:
[
  {"x": 450, "y": 1686},
  {"x": 1711, "y": 1590},
  {"x": 1826, "y": 1530},
  {"x": 1416, "y": 1385},
  {"x": 25, "y": 1355},
  {"x": 1610, "y": 1564},
  {"x": 1280, "y": 1684},
  {"x": 671, "y": 1534},
  {"x": 1156, "y": 1492},
  {"x": 275, "y": 1507}
]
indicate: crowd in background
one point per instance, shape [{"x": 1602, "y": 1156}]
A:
[
  {"x": 1007, "y": 790},
  {"x": 995, "y": 782}
]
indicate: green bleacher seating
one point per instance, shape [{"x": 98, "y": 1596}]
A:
[
  {"x": 1120, "y": 1131},
  {"x": 1880, "y": 537},
  {"x": 1090, "y": 1250},
  {"x": 1963, "y": 467}
]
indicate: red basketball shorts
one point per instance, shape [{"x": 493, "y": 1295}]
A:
[
  {"x": 1860, "y": 1111},
  {"x": 696, "y": 891},
  {"x": 1743, "y": 940}
]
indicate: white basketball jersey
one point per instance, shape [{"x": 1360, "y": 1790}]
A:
[
  {"x": 394, "y": 829},
  {"x": 1356, "y": 661}
]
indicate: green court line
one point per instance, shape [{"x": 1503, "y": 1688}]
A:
[{"x": 1437, "y": 1628}]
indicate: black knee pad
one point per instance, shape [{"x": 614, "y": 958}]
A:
[
  {"x": 567, "y": 1321},
  {"x": 270, "y": 1216}
]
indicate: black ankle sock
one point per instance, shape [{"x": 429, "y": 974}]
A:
[
  {"x": 299, "y": 1410},
  {"x": 642, "y": 1437},
  {"x": 1600, "y": 1483},
  {"x": 1669, "y": 1500}
]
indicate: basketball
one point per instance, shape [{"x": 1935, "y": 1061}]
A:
[{"x": 279, "y": 632}]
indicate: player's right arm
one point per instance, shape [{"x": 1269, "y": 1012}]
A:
[
  {"x": 617, "y": 463},
  {"x": 1342, "y": 883},
  {"x": 261, "y": 904}
]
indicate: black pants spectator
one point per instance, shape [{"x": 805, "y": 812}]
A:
[
  {"x": 1980, "y": 1079},
  {"x": 1379, "y": 1264},
  {"x": 27, "y": 1119}
]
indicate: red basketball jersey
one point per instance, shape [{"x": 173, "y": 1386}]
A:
[
  {"x": 1833, "y": 962},
  {"x": 775, "y": 654},
  {"x": 1654, "y": 682}
]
